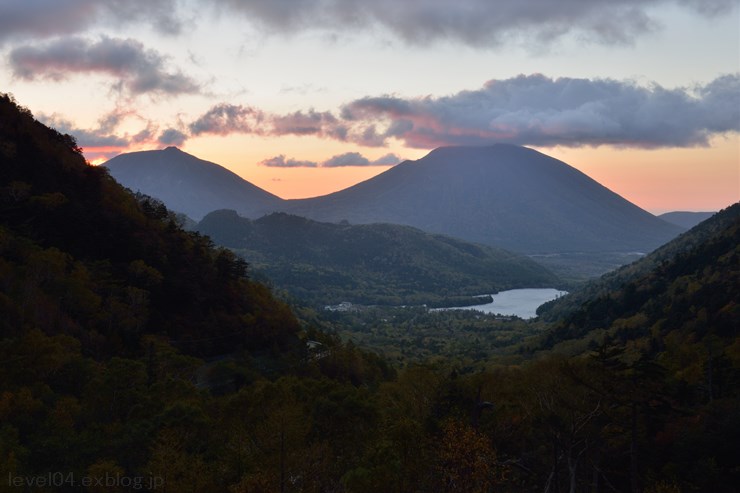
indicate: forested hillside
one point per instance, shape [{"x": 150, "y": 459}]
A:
[
  {"x": 82, "y": 257},
  {"x": 324, "y": 263}
]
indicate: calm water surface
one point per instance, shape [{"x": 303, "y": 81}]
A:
[{"x": 520, "y": 302}]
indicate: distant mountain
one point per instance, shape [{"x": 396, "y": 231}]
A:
[
  {"x": 190, "y": 185},
  {"x": 503, "y": 195},
  {"x": 685, "y": 219},
  {"x": 328, "y": 263}
]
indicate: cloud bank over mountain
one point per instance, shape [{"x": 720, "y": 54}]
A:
[
  {"x": 532, "y": 110},
  {"x": 526, "y": 110}
]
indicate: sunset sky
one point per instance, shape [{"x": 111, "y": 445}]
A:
[{"x": 305, "y": 97}]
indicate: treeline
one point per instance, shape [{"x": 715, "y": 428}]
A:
[
  {"x": 343, "y": 421},
  {"x": 370, "y": 264}
]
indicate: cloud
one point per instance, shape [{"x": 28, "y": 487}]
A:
[
  {"x": 357, "y": 159},
  {"x": 526, "y": 110},
  {"x": 480, "y": 23},
  {"x": 104, "y": 142},
  {"x": 86, "y": 138},
  {"x": 340, "y": 160},
  {"x": 537, "y": 110},
  {"x": 139, "y": 70},
  {"x": 346, "y": 159},
  {"x": 387, "y": 160},
  {"x": 46, "y": 18},
  {"x": 281, "y": 162},
  {"x": 172, "y": 137},
  {"x": 224, "y": 119},
  {"x": 300, "y": 123}
]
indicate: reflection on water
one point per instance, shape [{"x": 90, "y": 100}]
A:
[{"x": 520, "y": 302}]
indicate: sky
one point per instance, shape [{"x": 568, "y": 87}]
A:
[{"x": 306, "y": 97}]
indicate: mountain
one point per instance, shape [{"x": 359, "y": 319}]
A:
[
  {"x": 689, "y": 285},
  {"x": 326, "y": 263},
  {"x": 504, "y": 195},
  {"x": 685, "y": 219},
  {"x": 190, "y": 185},
  {"x": 81, "y": 257}
]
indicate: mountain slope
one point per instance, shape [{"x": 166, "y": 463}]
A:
[
  {"x": 503, "y": 195},
  {"x": 190, "y": 185},
  {"x": 689, "y": 285},
  {"x": 81, "y": 257},
  {"x": 685, "y": 219},
  {"x": 372, "y": 264}
]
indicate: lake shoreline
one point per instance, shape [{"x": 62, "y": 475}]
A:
[{"x": 522, "y": 303}]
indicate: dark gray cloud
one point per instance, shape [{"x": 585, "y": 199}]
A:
[
  {"x": 44, "y": 18},
  {"x": 527, "y": 110},
  {"x": 281, "y": 162},
  {"x": 225, "y": 118},
  {"x": 138, "y": 70},
  {"x": 172, "y": 137},
  {"x": 346, "y": 159},
  {"x": 473, "y": 22},
  {"x": 537, "y": 110},
  {"x": 357, "y": 159}
]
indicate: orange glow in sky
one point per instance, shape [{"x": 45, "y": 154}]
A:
[{"x": 299, "y": 83}]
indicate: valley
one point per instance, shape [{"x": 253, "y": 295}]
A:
[{"x": 205, "y": 358}]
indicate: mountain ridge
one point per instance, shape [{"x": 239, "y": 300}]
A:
[
  {"x": 326, "y": 263},
  {"x": 686, "y": 219},
  {"x": 502, "y": 195},
  {"x": 176, "y": 178}
]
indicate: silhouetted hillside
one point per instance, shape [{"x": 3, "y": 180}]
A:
[
  {"x": 686, "y": 219},
  {"x": 190, "y": 185},
  {"x": 328, "y": 263},
  {"x": 507, "y": 196}
]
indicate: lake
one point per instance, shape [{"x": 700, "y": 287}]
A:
[{"x": 520, "y": 302}]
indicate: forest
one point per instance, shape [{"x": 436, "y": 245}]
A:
[
  {"x": 139, "y": 356},
  {"x": 370, "y": 264}
]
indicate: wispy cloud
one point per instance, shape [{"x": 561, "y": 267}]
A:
[
  {"x": 45, "y": 18},
  {"x": 105, "y": 141},
  {"x": 85, "y": 137},
  {"x": 480, "y": 23},
  {"x": 137, "y": 69},
  {"x": 347, "y": 159},
  {"x": 281, "y": 162}
]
